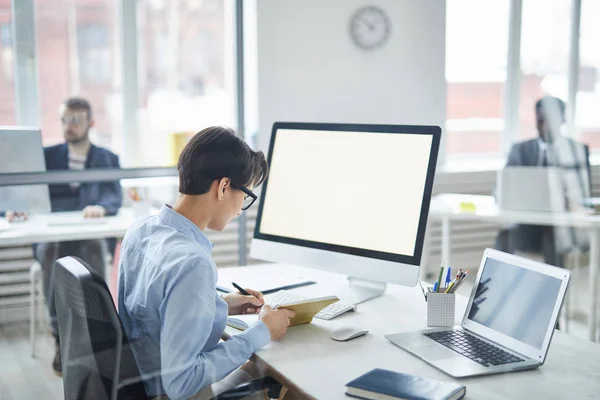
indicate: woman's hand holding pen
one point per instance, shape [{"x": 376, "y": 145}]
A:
[{"x": 249, "y": 303}]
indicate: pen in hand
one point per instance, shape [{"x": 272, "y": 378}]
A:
[
  {"x": 240, "y": 289},
  {"x": 245, "y": 293}
]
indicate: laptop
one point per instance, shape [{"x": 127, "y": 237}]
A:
[
  {"x": 508, "y": 323},
  {"x": 21, "y": 150},
  {"x": 515, "y": 194}
]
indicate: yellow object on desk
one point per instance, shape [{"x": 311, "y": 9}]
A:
[
  {"x": 306, "y": 309},
  {"x": 467, "y": 206}
]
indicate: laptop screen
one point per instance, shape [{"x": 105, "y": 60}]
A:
[{"x": 515, "y": 301}]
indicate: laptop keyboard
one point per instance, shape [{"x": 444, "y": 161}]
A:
[{"x": 474, "y": 348}]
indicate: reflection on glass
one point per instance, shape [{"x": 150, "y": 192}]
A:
[{"x": 515, "y": 302}]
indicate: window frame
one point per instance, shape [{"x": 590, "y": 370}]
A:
[
  {"x": 27, "y": 90},
  {"x": 512, "y": 84}
]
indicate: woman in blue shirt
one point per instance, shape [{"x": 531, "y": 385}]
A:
[{"x": 167, "y": 295}]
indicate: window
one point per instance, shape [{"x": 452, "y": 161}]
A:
[
  {"x": 7, "y": 86},
  {"x": 588, "y": 97},
  {"x": 78, "y": 55},
  {"x": 94, "y": 52},
  {"x": 186, "y": 55},
  {"x": 251, "y": 72},
  {"x": 545, "y": 41},
  {"x": 476, "y": 53},
  {"x": 6, "y": 44}
]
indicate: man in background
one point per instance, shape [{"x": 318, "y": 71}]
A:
[
  {"x": 550, "y": 149},
  {"x": 94, "y": 199}
]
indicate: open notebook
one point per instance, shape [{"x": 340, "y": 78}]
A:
[{"x": 305, "y": 311}]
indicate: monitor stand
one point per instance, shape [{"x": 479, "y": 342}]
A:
[{"x": 359, "y": 290}]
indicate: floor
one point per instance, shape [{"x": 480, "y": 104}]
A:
[{"x": 23, "y": 377}]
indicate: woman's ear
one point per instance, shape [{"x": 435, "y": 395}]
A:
[{"x": 224, "y": 183}]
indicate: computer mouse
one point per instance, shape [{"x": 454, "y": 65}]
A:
[{"x": 347, "y": 333}]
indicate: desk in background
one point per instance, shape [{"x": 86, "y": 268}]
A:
[
  {"x": 309, "y": 360},
  {"x": 446, "y": 208},
  {"x": 36, "y": 229}
]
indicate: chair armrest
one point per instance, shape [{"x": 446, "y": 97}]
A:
[{"x": 253, "y": 386}]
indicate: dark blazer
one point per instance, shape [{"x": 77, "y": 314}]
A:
[{"x": 105, "y": 194}]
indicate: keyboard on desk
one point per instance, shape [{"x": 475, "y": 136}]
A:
[
  {"x": 71, "y": 221},
  {"x": 474, "y": 348},
  {"x": 329, "y": 312}
]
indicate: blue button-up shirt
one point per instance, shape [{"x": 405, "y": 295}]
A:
[{"x": 171, "y": 311}]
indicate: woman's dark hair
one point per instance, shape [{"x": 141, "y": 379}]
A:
[{"x": 215, "y": 153}]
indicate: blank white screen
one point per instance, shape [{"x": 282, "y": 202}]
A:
[{"x": 356, "y": 189}]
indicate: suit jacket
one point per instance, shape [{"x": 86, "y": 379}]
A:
[{"x": 105, "y": 194}]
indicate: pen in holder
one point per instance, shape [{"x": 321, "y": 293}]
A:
[{"x": 440, "y": 309}]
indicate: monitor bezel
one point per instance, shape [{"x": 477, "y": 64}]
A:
[{"x": 433, "y": 131}]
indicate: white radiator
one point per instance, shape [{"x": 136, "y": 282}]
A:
[{"x": 14, "y": 283}]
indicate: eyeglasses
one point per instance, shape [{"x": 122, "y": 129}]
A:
[
  {"x": 74, "y": 120},
  {"x": 249, "y": 197}
]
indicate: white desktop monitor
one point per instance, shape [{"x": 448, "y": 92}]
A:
[
  {"x": 21, "y": 151},
  {"x": 348, "y": 198}
]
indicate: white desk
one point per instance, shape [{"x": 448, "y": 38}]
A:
[
  {"x": 446, "y": 207},
  {"x": 318, "y": 366},
  {"x": 36, "y": 229}
]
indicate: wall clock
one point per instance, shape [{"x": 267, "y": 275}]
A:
[{"x": 370, "y": 27}]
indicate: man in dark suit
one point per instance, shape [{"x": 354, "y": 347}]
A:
[
  {"x": 550, "y": 149},
  {"x": 94, "y": 199}
]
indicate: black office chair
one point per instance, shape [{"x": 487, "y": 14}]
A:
[{"x": 97, "y": 360}]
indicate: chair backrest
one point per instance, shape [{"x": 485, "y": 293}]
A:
[{"x": 97, "y": 360}]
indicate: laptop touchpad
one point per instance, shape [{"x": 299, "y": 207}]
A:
[{"x": 434, "y": 352}]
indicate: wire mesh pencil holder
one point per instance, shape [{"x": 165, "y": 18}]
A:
[{"x": 440, "y": 309}]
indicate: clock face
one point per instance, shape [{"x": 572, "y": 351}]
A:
[{"x": 369, "y": 27}]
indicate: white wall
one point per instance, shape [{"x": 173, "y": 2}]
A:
[{"x": 309, "y": 70}]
